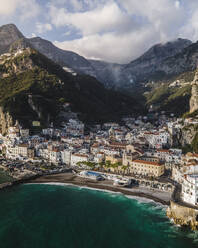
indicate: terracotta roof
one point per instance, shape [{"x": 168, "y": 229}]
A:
[
  {"x": 23, "y": 145},
  {"x": 146, "y": 162},
  {"x": 163, "y": 150},
  {"x": 95, "y": 145},
  {"x": 117, "y": 144},
  {"x": 80, "y": 155}
]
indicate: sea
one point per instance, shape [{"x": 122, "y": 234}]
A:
[{"x": 64, "y": 216}]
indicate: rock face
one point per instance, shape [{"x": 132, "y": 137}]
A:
[
  {"x": 154, "y": 63},
  {"x": 6, "y": 121},
  {"x": 183, "y": 216},
  {"x": 194, "y": 95},
  {"x": 62, "y": 57},
  {"x": 8, "y": 35}
]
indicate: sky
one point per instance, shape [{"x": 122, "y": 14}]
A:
[{"x": 111, "y": 30}]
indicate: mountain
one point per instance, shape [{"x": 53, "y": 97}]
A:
[
  {"x": 107, "y": 73},
  {"x": 62, "y": 57},
  {"x": 163, "y": 64},
  {"x": 8, "y": 35},
  {"x": 153, "y": 64},
  {"x": 33, "y": 88},
  {"x": 156, "y": 63}
]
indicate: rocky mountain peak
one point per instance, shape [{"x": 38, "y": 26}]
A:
[
  {"x": 163, "y": 50},
  {"x": 8, "y": 34},
  {"x": 64, "y": 58}
]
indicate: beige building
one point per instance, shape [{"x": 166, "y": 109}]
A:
[
  {"x": 128, "y": 157},
  {"x": 23, "y": 150},
  {"x": 113, "y": 159},
  {"x": 146, "y": 168},
  {"x": 19, "y": 151}
]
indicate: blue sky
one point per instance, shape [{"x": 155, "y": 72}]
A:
[{"x": 111, "y": 30}]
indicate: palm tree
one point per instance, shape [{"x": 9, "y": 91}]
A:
[
  {"x": 108, "y": 164},
  {"x": 115, "y": 165},
  {"x": 124, "y": 167},
  {"x": 101, "y": 165}
]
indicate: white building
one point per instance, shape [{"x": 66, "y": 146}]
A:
[
  {"x": 75, "y": 158},
  {"x": 190, "y": 189},
  {"x": 18, "y": 151},
  {"x": 54, "y": 155},
  {"x": 66, "y": 156},
  {"x": 157, "y": 139}
]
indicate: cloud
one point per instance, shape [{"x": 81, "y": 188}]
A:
[
  {"x": 101, "y": 19},
  {"x": 110, "y": 46},
  {"x": 163, "y": 16},
  {"x": 43, "y": 27},
  {"x": 8, "y": 7},
  {"x": 177, "y": 4},
  {"x": 24, "y": 9},
  {"x": 119, "y": 31},
  {"x": 112, "y": 30}
]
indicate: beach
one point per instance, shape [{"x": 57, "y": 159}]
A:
[{"x": 70, "y": 178}]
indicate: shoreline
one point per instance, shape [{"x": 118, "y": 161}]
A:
[
  {"x": 70, "y": 179},
  {"x": 136, "y": 196}
]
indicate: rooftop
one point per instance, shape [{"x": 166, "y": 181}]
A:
[{"x": 146, "y": 162}]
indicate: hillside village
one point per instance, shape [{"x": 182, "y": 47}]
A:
[{"x": 135, "y": 149}]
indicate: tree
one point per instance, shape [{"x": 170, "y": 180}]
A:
[
  {"x": 101, "y": 164},
  {"x": 108, "y": 164}
]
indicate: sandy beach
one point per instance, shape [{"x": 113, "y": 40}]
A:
[{"x": 70, "y": 178}]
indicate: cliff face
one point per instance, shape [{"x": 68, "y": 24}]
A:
[
  {"x": 62, "y": 57},
  {"x": 6, "y": 121},
  {"x": 155, "y": 61},
  {"x": 8, "y": 34},
  {"x": 194, "y": 95},
  {"x": 183, "y": 216},
  {"x": 187, "y": 135}
]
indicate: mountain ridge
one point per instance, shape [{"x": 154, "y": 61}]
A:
[
  {"x": 34, "y": 88},
  {"x": 152, "y": 65}
]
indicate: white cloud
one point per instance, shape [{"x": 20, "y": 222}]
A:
[
  {"x": 177, "y": 4},
  {"x": 163, "y": 15},
  {"x": 101, "y": 19},
  {"x": 43, "y": 27},
  {"x": 190, "y": 29},
  {"x": 113, "y": 30},
  {"x": 110, "y": 46},
  {"x": 26, "y": 9},
  {"x": 121, "y": 31}
]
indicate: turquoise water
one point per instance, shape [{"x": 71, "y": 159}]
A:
[{"x": 50, "y": 216}]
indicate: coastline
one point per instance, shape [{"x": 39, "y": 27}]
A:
[{"x": 71, "y": 179}]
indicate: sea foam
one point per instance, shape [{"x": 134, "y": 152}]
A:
[{"x": 139, "y": 199}]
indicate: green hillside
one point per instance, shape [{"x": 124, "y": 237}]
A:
[
  {"x": 172, "y": 100},
  {"x": 31, "y": 75}
]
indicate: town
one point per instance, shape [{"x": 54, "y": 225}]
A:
[{"x": 136, "y": 151}]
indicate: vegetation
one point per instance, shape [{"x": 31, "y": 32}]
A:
[
  {"x": 173, "y": 100},
  {"x": 33, "y": 75},
  {"x": 191, "y": 115},
  {"x": 194, "y": 144}
]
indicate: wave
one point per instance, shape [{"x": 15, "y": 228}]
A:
[{"x": 139, "y": 199}]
